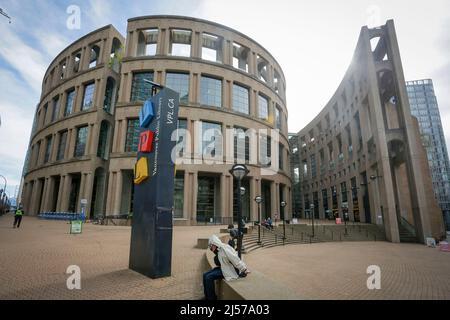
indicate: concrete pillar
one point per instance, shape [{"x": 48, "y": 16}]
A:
[
  {"x": 194, "y": 190},
  {"x": 186, "y": 195},
  {"x": 110, "y": 194},
  {"x": 66, "y": 193},
  {"x": 228, "y": 52},
  {"x": 87, "y": 192},
  {"x": 253, "y": 103},
  {"x": 223, "y": 195},
  {"x": 118, "y": 192},
  {"x": 45, "y": 195},
  {"x": 253, "y": 194},
  {"x": 60, "y": 194},
  {"x": 56, "y": 139},
  {"x": 165, "y": 37},
  {"x": 273, "y": 201}
]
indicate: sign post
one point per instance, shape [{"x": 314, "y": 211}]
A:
[{"x": 151, "y": 233}]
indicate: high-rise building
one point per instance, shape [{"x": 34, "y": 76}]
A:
[{"x": 425, "y": 108}]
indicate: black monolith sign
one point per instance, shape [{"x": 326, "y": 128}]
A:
[{"x": 151, "y": 233}]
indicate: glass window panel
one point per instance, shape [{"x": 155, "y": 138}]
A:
[
  {"x": 211, "y": 92},
  {"x": 80, "y": 145},
  {"x": 240, "y": 99},
  {"x": 132, "y": 139},
  {"x": 140, "y": 89},
  {"x": 88, "y": 99},
  {"x": 179, "y": 82}
]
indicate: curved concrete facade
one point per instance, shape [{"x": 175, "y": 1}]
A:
[
  {"x": 226, "y": 82},
  {"x": 363, "y": 150}
]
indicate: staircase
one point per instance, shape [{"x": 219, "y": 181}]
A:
[
  {"x": 302, "y": 234},
  {"x": 406, "y": 234}
]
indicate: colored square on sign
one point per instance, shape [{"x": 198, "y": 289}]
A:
[
  {"x": 146, "y": 115},
  {"x": 141, "y": 170},
  {"x": 146, "y": 141}
]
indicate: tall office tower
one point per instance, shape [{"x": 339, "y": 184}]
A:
[{"x": 425, "y": 108}]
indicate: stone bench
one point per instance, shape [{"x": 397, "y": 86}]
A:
[{"x": 256, "y": 286}]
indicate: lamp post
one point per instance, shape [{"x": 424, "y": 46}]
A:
[
  {"x": 344, "y": 207},
  {"x": 283, "y": 204},
  {"x": 258, "y": 200},
  {"x": 239, "y": 171},
  {"x": 311, "y": 206}
]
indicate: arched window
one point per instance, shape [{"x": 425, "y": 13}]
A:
[
  {"x": 102, "y": 150},
  {"x": 116, "y": 55},
  {"x": 109, "y": 100},
  {"x": 95, "y": 55}
]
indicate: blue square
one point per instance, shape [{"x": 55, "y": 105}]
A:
[{"x": 146, "y": 115}]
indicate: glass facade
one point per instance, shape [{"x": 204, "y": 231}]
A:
[
  {"x": 206, "y": 198},
  {"x": 179, "y": 82},
  {"x": 181, "y": 138},
  {"x": 240, "y": 99},
  {"x": 102, "y": 140},
  {"x": 80, "y": 144},
  {"x": 140, "y": 89},
  {"x": 211, "y": 92},
  {"x": 425, "y": 108},
  {"x": 88, "y": 97},
  {"x": 132, "y": 139},
  {"x": 241, "y": 145}
]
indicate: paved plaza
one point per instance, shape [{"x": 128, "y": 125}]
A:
[{"x": 34, "y": 259}]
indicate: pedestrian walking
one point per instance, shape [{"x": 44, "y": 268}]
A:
[{"x": 18, "y": 217}]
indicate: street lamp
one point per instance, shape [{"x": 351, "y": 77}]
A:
[
  {"x": 258, "y": 200},
  {"x": 283, "y": 204},
  {"x": 344, "y": 207},
  {"x": 311, "y": 206},
  {"x": 239, "y": 171}
]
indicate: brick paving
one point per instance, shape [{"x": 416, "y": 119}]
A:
[
  {"x": 338, "y": 270},
  {"x": 34, "y": 259}
]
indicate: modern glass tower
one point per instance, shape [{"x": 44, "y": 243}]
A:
[{"x": 424, "y": 107}]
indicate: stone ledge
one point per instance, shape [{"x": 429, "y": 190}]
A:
[{"x": 256, "y": 286}]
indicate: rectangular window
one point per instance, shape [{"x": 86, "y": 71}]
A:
[
  {"x": 280, "y": 156},
  {"x": 180, "y": 42},
  {"x": 240, "y": 57},
  {"x": 48, "y": 148},
  {"x": 88, "y": 98},
  {"x": 44, "y": 119},
  {"x": 69, "y": 102},
  {"x": 211, "y": 92},
  {"x": 278, "y": 117},
  {"x": 179, "y": 82},
  {"x": 211, "y": 47},
  {"x": 313, "y": 166},
  {"x": 263, "y": 107},
  {"x": 140, "y": 89},
  {"x": 241, "y": 145},
  {"x": 80, "y": 144},
  {"x": 265, "y": 150},
  {"x": 181, "y": 138},
  {"x": 62, "y": 145},
  {"x": 55, "y": 111},
  {"x": 147, "y": 42},
  {"x": 133, "y": 132},
  {"x": 240, "y": 99},
  {"x": 211, "y": 139}
]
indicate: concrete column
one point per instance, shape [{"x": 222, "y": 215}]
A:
[
  {"x": 100, "y": 88},
  {"x": 196, "y": 44},
  {"x": 87, "y": 194},
  {"x": 253, "y": 103},
  {"x": 186, "y": 195},
  {"x": 45, "y": 195},
  {"x": 110, "y": 194},
  {"x": 230, "y": 196},
  {"x": 118, "y": 192},
  {"x": 253, "y": 194},
  {"x": 132, "y": 41},
  {"x": 115, "y": 144},
  {"x": 34, "y": 194},
  {"x": 67, "y": 191},
  {"x": 60, "y": 194},
  {"x": 194, "y": 190},
  {"x": 252, "y": 64},
  {"x": 123, "y": 134},
  {"x": 88, "y": 140},
  {"x": 165, "y": 35},
  {"x": 228, "y": 52},
  {"x": 273, "y": 201},
  {"x": 223, "y": 193}
]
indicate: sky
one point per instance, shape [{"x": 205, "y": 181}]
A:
[{"x": 313, "y": 41}]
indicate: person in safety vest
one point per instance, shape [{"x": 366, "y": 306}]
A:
[{"x": 18, "y": 216}]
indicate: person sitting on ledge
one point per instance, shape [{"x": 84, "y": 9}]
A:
[{"x": 228, "y": 266}]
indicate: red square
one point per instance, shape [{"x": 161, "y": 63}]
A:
[{"x": 146, "y": 141}]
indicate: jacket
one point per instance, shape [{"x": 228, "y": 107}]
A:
[{"x": 228, "y": 259}]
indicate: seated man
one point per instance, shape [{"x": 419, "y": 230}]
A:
[
  {"x": 269, "y": 223},
  {"x": 229, "y": 266}
]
